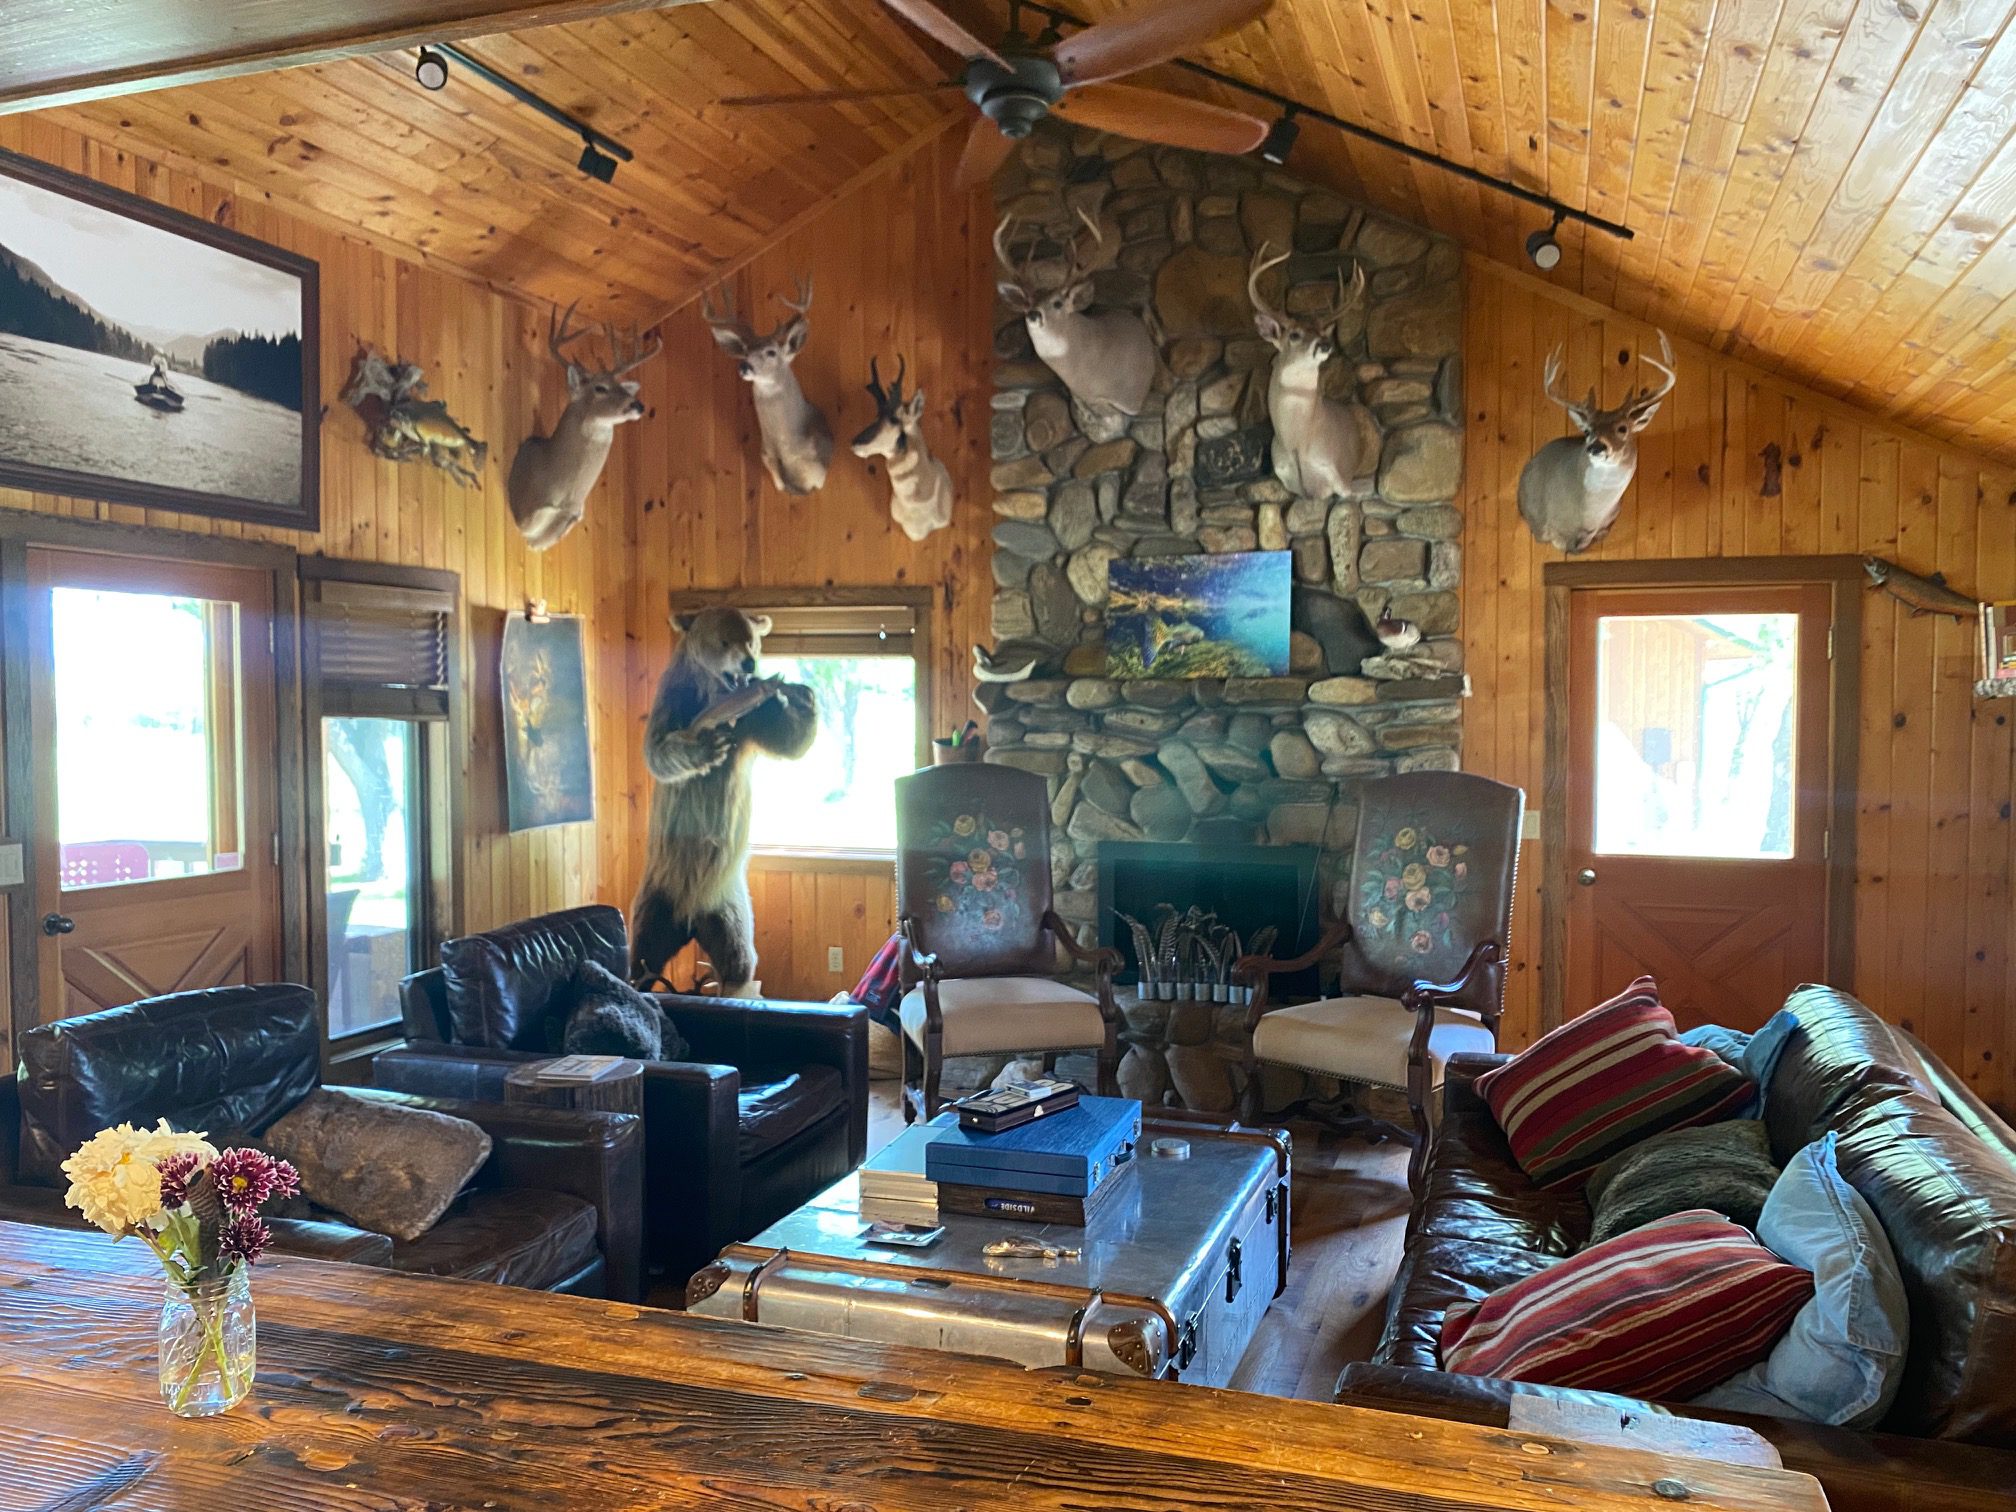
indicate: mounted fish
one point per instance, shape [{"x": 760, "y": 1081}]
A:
[
  {"x": 552, "y": 476},
  {"x": 920, "y": 486},
  {"x": 797, "y": 442},
  {"x": 1571, "y": 489},
  {"x": 1921, "y": 595},
  {"x": 402, "y": 423},
  {"x": 1107, "y": 360},
  {"x": 1317, "y": 439}
]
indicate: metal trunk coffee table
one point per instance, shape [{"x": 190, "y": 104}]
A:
[{"x": 1171, "y": 1279}]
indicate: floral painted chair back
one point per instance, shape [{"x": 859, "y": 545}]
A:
[
  {"x": 973, "y": 868},
  {"x": 1432, "y": 876}
]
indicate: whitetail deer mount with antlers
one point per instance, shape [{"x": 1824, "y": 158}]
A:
[
  {"x": 920, "y": 486},
  {"x": 1317, "y": 439},
  {"x": 552, "y": 476},
  {"x": 1107, "y": 360},
  {"x": 797, "y": 443},
  {"x": 1571, "y": 489}
]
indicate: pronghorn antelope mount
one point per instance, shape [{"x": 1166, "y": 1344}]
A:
[
  {"x": 1317, "y": 439},
  {"x": 552, "y": 476},
  {"x": 797, "y": 442},
  {"x": 920, "y": 486},
  {"x": 1571, "y": 489},
  {"x": 1107, "y": 360}
]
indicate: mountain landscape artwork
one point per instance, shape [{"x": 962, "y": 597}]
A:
[
  {"x": 152, "y": 358},
  {"x": 1198, "y": 616}
]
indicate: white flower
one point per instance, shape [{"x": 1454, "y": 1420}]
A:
[{"x": 113, "y": 1179}]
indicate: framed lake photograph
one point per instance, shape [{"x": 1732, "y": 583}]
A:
[
  {"x": 149, "y": 357},
  {"x": 549, "y": 766},
  {"x": 1198, "y": 616}
]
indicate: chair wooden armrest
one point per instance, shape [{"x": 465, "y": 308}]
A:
[
  {"x": 925, "y": 962},
  {"x": 1258, "y": 971},
  {"x": 1104, "y": 957},
  {"x": 1427, "y": 994}
]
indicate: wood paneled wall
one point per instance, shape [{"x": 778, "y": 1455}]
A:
[
  {"x": 1935, "y": 936},
  {"x": 485, "y": 356},
  {"x": 902, "y": 267}
]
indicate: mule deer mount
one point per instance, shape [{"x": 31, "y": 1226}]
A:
[
  {"x": 797, "y": 443},
  {"x": 1107, "y": 360},
  {"x": 552, "y": 476},
  {"x": 920, "y": 486},
  {"x": 1317, "y": 440},
  {"x": 1571, "y": 489}
]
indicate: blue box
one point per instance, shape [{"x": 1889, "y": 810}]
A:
[{"x": 1067, "y": 1154}]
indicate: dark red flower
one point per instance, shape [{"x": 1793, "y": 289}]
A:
[
  {"x": 243, "y": 1238},
  {"x": 177, "y": 1171},
  {"x": 247, "y": 1178}
]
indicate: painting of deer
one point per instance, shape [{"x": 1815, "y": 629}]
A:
[
  {"x": 920, "y": 486},
  {"x": 1571, "y": 489},
  {"x": 797, "y": 443},
  {"x": 1107, "y": 360},
  {"x": 552, "y": 476},
  {"x": 1317, "y": 439}
]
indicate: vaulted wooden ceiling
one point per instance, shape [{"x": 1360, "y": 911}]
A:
[{"x": 1826, "y": 187}]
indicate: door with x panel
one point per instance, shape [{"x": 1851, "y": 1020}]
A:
[
  {"x": 1698, "y": 796},
  {"x": 155, "y": 792}
]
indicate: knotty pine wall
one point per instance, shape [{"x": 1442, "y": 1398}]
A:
[
  {"x": 485, "y": 356},
  {"x": 1935, "y": 935},
  {"x": 902, "y": 266}
]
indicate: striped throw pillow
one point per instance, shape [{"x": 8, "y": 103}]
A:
[
  {"x": 1600, "y": 1083},
  {"x": 1664, "y": 1312}
]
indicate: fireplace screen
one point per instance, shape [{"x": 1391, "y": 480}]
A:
[{"x": 1249, "y": 887}]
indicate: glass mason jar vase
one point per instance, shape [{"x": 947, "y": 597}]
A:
[{"x": 209, "y": 1344}]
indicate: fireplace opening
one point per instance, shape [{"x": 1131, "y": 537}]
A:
[{"x": 1247, "y": 886}]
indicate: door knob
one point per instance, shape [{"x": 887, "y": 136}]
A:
[
  {"x": 1586, "y": 876},
  {"x": 57, "y": 924}
]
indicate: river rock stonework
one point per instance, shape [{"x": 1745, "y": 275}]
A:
[{"x": 1273, "y": 760}]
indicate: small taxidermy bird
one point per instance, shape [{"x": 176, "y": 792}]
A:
[
  {"x": 1397, "y": 634},
  {"x": 1012, "y": 663}
]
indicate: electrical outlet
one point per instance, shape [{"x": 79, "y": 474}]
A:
[{"x": 836, "y": 960}]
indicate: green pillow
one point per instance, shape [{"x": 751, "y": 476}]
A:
[{"x": 1723, "y": 1166}]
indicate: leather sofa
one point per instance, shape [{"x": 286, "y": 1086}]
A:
[
  {"x": 554, "y": 1208},
  {"x": 1935, "y": 1164},
  {"x": 771, "y": 1110}
]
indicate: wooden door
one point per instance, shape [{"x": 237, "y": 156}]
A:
[
  {"x": 155, "y": 763},
  {"x": 1699, "y": 789}
]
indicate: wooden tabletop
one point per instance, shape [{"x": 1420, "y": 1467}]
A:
[{"x": 383, "y": 1391}]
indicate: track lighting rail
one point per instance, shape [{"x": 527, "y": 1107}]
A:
[{"x": 595, "y": 141}]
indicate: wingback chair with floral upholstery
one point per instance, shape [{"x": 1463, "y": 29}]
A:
[
  {"x": 973, "y": 898},
  {"x": 1420, "y": 951}
]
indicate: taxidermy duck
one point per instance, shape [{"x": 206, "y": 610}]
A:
[
  {"x": 1014, "y": 662},
  {"x": 1397, "y": 634}
]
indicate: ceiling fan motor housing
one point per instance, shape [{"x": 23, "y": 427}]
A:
[{"x": 1016, "y": 98}]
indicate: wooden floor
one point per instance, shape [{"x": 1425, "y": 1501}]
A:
[{"x": 1348, "y": 1225}]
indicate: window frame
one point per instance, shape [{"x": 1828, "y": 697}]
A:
[
  {"x": 440, "y": 723},
  {"x": 917, "y": 601}
]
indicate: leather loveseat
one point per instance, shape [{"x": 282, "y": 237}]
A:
[
  {"x": 771, "y": 1110},
  {"x": 1936, "y": 1166},
  {"x": 554, "y": 1208}
]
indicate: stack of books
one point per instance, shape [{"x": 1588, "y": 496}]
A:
[
  {"x": 1063, "y": 1168},
  {"x": 894, "y": 1186}
]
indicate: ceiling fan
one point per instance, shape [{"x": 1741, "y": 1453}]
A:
[{"x": 1025, "y": 79}]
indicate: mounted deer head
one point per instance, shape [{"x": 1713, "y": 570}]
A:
[
  {"x": 920, "y": 485},
  {"x": 797, "y": 443},
  {"x": 1107, "y": 361},
  {"x": 1317, "y": 440},
  {"x": 551, "y": 476},
  {"x": 1571, "y": 489}
]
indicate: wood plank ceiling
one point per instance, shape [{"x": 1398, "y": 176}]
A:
[{"x": 1824, "y": 187}]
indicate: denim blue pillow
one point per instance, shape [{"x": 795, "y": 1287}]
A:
[
  {"x": 1755, "y": 1055},
  {"x": 1843, "y": 1357}
]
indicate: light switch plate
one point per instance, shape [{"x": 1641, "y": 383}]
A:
[
  {"x": 836, "y": 960},
  {"x": 13, "y": 863}
]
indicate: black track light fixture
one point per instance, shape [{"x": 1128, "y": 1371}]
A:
[
  {"x": 600, "y": 152},
  {"x": 596, "y": 163},
  {"x": 1543, "y": 247},
  {"x": 1280, "y": 139},
  {"x": 431, "y": 69}
]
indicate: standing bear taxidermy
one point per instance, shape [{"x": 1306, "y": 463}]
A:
[
  {"x": 552, "y": 476},
  {"x": 712, "y": 715},
  {"x": 797, "y": 442}
]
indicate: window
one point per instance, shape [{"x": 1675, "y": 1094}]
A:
[
  {"x": 383, "y": 700},
  {"x": 864, "y": 662}
]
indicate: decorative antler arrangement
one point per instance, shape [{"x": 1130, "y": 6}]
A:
[{"x": 1189, "y": 956}]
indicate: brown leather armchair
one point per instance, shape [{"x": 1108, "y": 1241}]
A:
[
  {"x": 771, "y": 1110},
  {"x": 973, "y": 901},
  {"x": 555, "y": 1207},
  {"x": 1419, "y": 952}
]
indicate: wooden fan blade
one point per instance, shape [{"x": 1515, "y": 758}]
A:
[
  {"x": 943, "y": 30},
  {"x": 1147, "y": 36},
  {"x": 1149, "y": 115},
  {"x": 986, "y": 150},
  {"x": 825, "y": 96}
]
